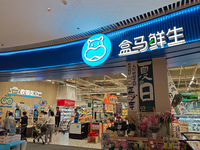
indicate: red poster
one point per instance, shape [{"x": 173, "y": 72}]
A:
[{"x": 65, "y": 102}]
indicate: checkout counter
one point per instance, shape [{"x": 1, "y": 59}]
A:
[{"x": 79, "y": 130}]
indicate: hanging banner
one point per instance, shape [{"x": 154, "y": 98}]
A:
[
  {"x": 179, "y": 109},
  {"x": 146, "y": 86},
  {"x": 132, "y": 86}
]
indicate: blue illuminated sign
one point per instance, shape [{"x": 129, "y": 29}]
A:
[
  {"x": 141, "y": 41},
  {"x": 96, "y": 50}
]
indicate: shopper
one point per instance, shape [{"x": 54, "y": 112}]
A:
[
  {"x": 76, "y": 118},
  {"x": 42, "y": 117},
  {"x": 24, "y": 123},
  {"x": 9, "y": 121},
  {"x": 57, "y": 118},
  {"x": 45, "y": 118},
  {"x": 50, "y": 127}
]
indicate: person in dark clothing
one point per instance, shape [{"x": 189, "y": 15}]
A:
[
  {"x": 24, "y": 124},
  {"x": 57, "y": 118}
]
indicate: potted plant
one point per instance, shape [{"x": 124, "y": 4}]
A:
[
  {"x": 131, "y": 129},
  {"x": 155, "y": 129}
]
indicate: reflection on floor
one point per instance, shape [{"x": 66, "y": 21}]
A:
[
  {"x": 36, "y": 146},
  {"x": 63, "y": 139}
]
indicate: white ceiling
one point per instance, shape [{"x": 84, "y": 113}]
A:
[{"x": 28, "y": 21}]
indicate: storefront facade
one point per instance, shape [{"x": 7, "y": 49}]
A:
[
  {"x": 174, "y": 36},
  {"x": 167, "y": 41}
]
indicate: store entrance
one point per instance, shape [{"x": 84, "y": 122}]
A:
[{"x": 95, "y": 99}]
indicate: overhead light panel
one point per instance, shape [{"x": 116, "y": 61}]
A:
[
  {"x": 193, "y": 78},
  {"x": 71, "y": 85},
  {"x": 124, "y": 75}
]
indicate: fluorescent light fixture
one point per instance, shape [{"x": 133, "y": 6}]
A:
[
  {"x": 71, "y": 85},
  {"x": 192, "y": 78},
  {"x": 124, "y": 75}
]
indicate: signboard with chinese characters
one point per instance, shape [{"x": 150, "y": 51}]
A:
[
  {"x": 173, "y": 37},
  {"x": 179, "y": 109},
  {"x": 15, "y": 91},
  {"x": 146, "y": 86},
  {"x": 66, "y": 103},
  {"x": 132, "y": 86}
]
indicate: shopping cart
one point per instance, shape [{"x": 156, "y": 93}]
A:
[{"x": 38, "y": 133}]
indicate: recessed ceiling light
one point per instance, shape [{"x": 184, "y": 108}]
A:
[
  {"x": 64, "y": 2},
  {"x": 48, "y": 9}
]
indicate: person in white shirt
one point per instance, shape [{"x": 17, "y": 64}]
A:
[
  {"x": 42, "y": 117},
  {"x": 45, "y": 118},
  {"x": 9, "y": 121},
  {"x": 50, "y": 127}
]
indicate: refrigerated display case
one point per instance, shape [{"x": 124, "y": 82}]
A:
[
  {"x": 192, "y": 139},
  {"x": 189, "y": 122},
  {"x": 66, "y": 115}
]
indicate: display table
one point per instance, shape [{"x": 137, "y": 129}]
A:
[
  {"x": 21, "y": 145},
  {"x": 79, "y": 130}
]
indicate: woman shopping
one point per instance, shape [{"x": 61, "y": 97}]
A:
[{"x": 50, "y": 128}]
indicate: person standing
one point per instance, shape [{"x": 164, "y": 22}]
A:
[
  {"x": 57, "y": 118},
  {"x": 24, "y": 124},
  {"x": 9, "y": 121},
  {"x": 45, "y": 118},
  {"x": 76, "y": 118},
  {"x": 50, "y": 127}
]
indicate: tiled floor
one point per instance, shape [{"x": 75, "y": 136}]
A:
[
  {"x": 63, "y": 139},
  {"x": 36, "y": 146}
]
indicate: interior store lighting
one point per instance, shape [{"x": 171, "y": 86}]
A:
[
  {"x": 192, "y": 78},
  {"x": 71, "y": 85},
  {"x": 124, "y": 75}
]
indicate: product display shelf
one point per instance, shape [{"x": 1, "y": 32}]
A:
[
  {"x": 66, "y": 115},
  {"x": 117, "y": 138},
  {"x": 96, "y": 127},
  {"x": 189, "y": 123},
  {"x": 136, "y": 139}
]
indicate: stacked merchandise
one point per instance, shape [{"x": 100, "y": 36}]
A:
[
  {"x": 65, "y": 118},
  {"x": 5, "y": 138},
  {"x": 189, "y": 123}
]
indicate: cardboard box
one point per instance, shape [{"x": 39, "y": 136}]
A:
[{"x": 93, "y": 139}]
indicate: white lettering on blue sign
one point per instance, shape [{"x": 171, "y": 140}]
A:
[
  {"x": 15, "y": 90},
  {"x": 155, "y": 40}
]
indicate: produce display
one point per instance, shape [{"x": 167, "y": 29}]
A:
[{"x": 92, "y": 134}]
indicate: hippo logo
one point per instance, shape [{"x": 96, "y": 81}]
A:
[
  {"x": 6, "y": 100},
  {"x": 96, "y": 50}
]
